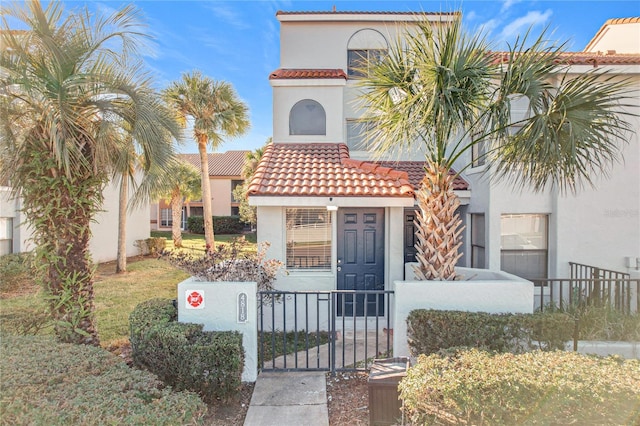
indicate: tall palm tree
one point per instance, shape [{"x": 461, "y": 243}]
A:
[
  {"x": 179, "y": 184},
  {"x": 248, "y": 214},
  {"x": 71, "y": 86},
  {"x": 444, "y": 86},
  {"x": 217, "y": 112}
]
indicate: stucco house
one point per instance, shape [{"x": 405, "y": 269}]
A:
[
  {"x": 341, "y": 219},
  {"x": 15, "y": 234},
  {"x": 225, "y": 169}
]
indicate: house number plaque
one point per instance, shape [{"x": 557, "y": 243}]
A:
[{"x": 242, "y": 308}]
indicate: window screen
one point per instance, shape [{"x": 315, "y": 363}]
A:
[{"x": 308, "y": 238}]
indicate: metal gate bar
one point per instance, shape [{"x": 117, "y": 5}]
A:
[{"x": 350, "y": 345}]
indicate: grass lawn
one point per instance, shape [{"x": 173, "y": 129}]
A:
[
  {"x": 115, "y": 294},
  {"x": 195, "y": 242}
]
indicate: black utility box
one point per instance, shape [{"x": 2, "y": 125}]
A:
[{"x": 384, "y": 376}]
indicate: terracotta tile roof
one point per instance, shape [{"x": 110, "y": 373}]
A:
[
  {"x": 228, "y": 163},
  {"x": 291, "y": 73},
  {"x": 342, "y": 12},
  {"x": 616, "y": 21},
  {"x": 585, "y": 58},
  {"x": 324, "y": 169},
  {"x": 415, "y": 170}
]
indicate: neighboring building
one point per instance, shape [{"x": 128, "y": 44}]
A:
[
  {"x": 225, "y": 169},
  {"x": 15, "y": 234},
  {"x": 339, "y": 220}
]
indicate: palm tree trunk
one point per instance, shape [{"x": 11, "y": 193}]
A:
[
  {"x": 206, "y": 194},
  {"x": 121, "y": 257},
  {"x": 176, "y": 216},
  {"x": 439, "y": 227}
]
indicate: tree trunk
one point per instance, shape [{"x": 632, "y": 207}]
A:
[
  {"x": 121, "y": 257},
  {"x": 206, "y": 194},
  {"x": 176, "y": 216},
  {"x": 439, "y": 227}
]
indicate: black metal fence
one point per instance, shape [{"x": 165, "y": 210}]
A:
[
  {"x": 622, "y": 294},
  {"x": 340, "y": 330}
]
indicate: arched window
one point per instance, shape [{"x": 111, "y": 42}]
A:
[
  {"x": 307, "y": 117},
  {"x": 364, "y": 48}
]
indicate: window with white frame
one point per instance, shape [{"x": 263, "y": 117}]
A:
[
  {"x": 360, "y": 61},
  {"x": 477, "y": 241},
  {"x": 307, "y": 117},
  {"x": 358, "y": 135},
  {"x": 166, "y": 220},
  {"x": 308, "y": 239},
  {"x": 478, "y": 151},
  {"x": 524, "y": 245},
  {"x": 6, "y": 235}
]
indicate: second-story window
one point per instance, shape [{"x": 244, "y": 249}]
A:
[
  {"x": 358, "y": 135},
  {"x": 307, "y": 117},
  {"x": 361, "y": 60},
  {"x": 366, "y": 47}
]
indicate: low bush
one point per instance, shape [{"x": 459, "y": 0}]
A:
[
  {"x": 16, "y": 272},
  {"x": 603, "y": 322},
  {"x": 475, "y": 387},
  {"x": 152, "y": 245},
  {"x": 25, "y": 321},
  {"x": 221, "y": 225},
  {"x": 430, "y": 331},
  {"x": 183, "y": 355},
  {"x": 44, "y": 382}
]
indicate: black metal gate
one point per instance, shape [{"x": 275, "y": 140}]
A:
[{"x": 313, "y": 330}]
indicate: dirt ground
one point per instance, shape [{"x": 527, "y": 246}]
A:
[{"x": 348, "y": 399}]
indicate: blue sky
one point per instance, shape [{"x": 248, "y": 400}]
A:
[{"x": 238, "y": 41}]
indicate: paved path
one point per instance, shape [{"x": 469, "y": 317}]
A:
[{"x": 289, "y": 399}]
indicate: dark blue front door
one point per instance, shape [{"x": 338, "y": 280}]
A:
[{"x": 360, "y": 260}]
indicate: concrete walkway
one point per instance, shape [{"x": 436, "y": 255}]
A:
[{"x": 292, "y": 398}]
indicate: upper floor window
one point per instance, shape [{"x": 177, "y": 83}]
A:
[
  {"x": 307, "y": 117},
  {"x": 358, "y": 135},
  {"x": 365, "y": 48}
]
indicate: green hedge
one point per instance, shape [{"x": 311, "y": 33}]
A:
[
  {"x": 430, "y": 331},
  {"x": 221, "y": 225},
  {"x": 49, "y": 383},
  {"x": 184, "y": 356},
  {"x": 475, "y": 387}
]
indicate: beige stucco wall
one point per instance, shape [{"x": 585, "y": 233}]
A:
[{"x": 623, "y": 38}]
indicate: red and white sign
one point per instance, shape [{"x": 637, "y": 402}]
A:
[{"x": 195, "y": 299}]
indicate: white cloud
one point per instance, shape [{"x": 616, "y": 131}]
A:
[
  {"x": 522, "y": 24},
  {"x": 506, "y": 5},
  {"x": 228, "y": 15}
]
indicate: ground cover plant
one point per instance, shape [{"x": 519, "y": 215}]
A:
[
  {"x": 477, "y": 387},
  {"x": 45, "y": 382}
]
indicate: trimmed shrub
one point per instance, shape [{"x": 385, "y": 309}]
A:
[
  {"x": 16, "y": 272},
  {"x": 183, "y": 355},
  {"x": 475, "y": 387},
  {"x": 430, "y": 331},
  {"x": 144, "y": 316},
  {"x": 45, "y": 382},
  {"x": 227, "y": 225},
  {"x": 221, "y": 225},
  {"x": 152, "y": 245},
  {"x": 195, "y": 224}
]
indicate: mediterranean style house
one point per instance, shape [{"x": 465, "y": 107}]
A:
[
  {"x": 225, "y": 170},
  {"x": 340, "y": 218},
  {"x": 15, "y": 234}
]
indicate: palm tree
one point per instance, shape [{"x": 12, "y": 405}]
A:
[
  {"x": 179, "y": 184},
  {"x": 216, "y": 111},
  {"x": 445, "y": 85},
  {"x": 247, "y": 212},
  {"x": 71, "y": 88}
]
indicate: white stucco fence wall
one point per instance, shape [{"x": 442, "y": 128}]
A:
[
  {"x": 220, "y": 310},
  {"x": 485, "y": 291}
]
